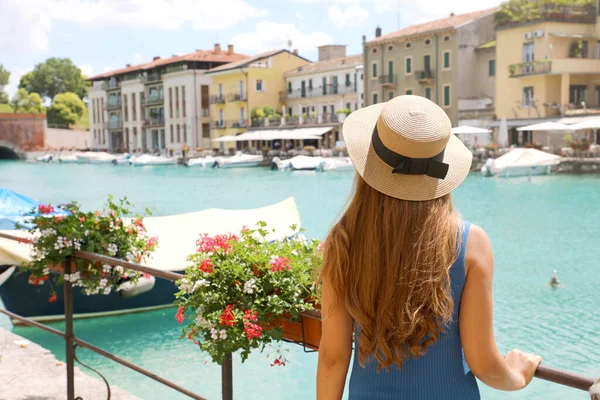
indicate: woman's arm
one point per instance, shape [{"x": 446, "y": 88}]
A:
[
  {"x": 476, "y": 322},
  {"x": 335, "y": 348}
]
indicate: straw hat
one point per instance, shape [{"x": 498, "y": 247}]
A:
[{"x": 405, "y": 148}]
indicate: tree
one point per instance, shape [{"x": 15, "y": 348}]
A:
[
  {"x": 30, "y": 103},
  {"x": 67, "y": 109},
  {"x": 4, "y": 77},
  {"x": 55, "y": 76}
]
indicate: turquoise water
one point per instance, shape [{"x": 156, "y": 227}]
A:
[{"x": 535, "y": 227}]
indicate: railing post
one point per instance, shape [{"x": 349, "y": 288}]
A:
[
  {"x": 70, "y": 350},
  {"x": 227, "y": 378}
]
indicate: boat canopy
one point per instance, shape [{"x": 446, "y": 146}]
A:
[
  {"x": 278, "y": 134},
  {"x": 177, "y": 234},
  {"x": 14, "y": 206}
]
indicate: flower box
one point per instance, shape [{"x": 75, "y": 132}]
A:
[{"x": 306, "y": 331}]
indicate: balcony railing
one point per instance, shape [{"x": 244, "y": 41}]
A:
[
  {"x": 113, "y": 105},
  {"x": 424, "y": 76},
  {"x": 116, "y": 124},
  {"x": 514, "y": 15},
  {"x": 157, "y": 99},
  {"x": 237, "y": 97},
  {"x": 152, "y": 78},
  {"x": 111, "y": 85},
  {"x": 154, "y": 122},
  {"x": 388, "y": 80},
  {"x": 205, "y": 112},
  {"x": 217, "y": 125},
  {"x": 237, "y": 124},
  {"x": 530, "y": 68},
  {"x": 327, "y": 90},
  {"x": 216, "y": 99}
]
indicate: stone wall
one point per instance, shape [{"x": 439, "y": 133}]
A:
[
  {"x": 22, "y": 132},
  {"x": 67, "y": 139}
]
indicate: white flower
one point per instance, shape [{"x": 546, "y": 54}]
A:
[
  {"x": 74, "y": 277},
  {"x": 86, "y": 233},
  {"x": 107, "y": 290},
  {"x": 223, "y": 334},
  {"x": 214, "y": 334},
  {"x": 119, "y": 269},
  {"x": 67, "y": 277},
  {"x": 106, "y": 268},
  {"x": 199, "y": 283},
  {"x": 295, "y": 252},
  {"x": 77, "y": 245},
  {"x": 129, "y": 256},
  {"x": 103, "y": 282},
  {"x": 112, "y": 249},
  {"x": 250, "y": 286},
  {"x": 46, "y": 271}
]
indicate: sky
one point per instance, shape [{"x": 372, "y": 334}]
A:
[{"x": 101, "y": 35}]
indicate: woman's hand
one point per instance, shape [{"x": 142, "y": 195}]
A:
[{"x": 523, "y": 365}]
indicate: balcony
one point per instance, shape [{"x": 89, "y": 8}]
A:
[
  {"x": 237, "y": 97},
  {"x": 424, "y": 76},
  {"x": 112, "y": 84},
  {"x": 516, "y": 12},
  {"x": 151, "y": 78},
  {"x": 530, "y": 68},
  {"x": 312, "y": 92},
  {"x": 153, "y": 122},
  {"x": 217, "y": 125},
  {"x": 154, "y": 100},
  {"x": 205, "y": 112},
  {"x": 388, "y": 80},
  {"x": 216, "y": 99},
  {"x": 115, "y": 124},
  {"x": 576, "y": 66},
  {"x": 113, "y": 105},
  {"x": 237, "y": 124}
]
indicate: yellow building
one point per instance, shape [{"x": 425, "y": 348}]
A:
[
  {"x": 241, "y": 86},
  {"x": 550, "y": 67}
]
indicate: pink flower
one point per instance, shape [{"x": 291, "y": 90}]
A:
[
  {"x": 278, "y": 264},
  {"x": 98, "y": 213},
  {"x": 45, "y": 209},
  {"x": 252, "y": 330},
  {"x": 206, "y": 266},
  {"x": 279, "y": 362},
  {"x": 179, "y": 316},
  {"x": 207, "y": 244},
  {"x": 58, "y": 218},
  {"x": 152, "y": 242},
  {"x": 82, "y": 219}
]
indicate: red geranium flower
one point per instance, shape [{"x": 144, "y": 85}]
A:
[
  {"x": 45, "y": 209},
  {"x": 179, "y": 316},
  {"x": 280, "y": 263},
  {"x": 227, "y": 316},
  {"x": 207, "y": 266},
  {"x": 279, "y": 362},
  {"x": 52, "y": 298}
]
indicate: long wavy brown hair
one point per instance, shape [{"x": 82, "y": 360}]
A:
[{"x": 388, "y": 261}]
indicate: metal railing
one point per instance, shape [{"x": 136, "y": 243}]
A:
[
  {"x": 217, "y": 124},
  {"x": 117, "y": 124},
  {"x": 216, "y": 99},
  {"x": 154, "y": 121},
  {"x": 387, "y": 79},
  {"x": 151, "y": 78},
  {"x": 554, "y": 375},
  {"x": 237, "y": 97},
  {"x": 530, "y": 68},
  {"x": 425, "y": 75},
  {"x": 156, "y": 99},
  {"x": 113, "y": 105},
  {"x": 318, "y": 91},
  {"x": 237, "y": 124}
]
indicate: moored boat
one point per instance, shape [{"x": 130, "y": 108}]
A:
[
  {"x": 338, "y": 164},
  {"x": 148, "y": 160},
  {"x": 521, "y": 162},
  {"x": 239, "y": 160},
  {"x": 70, "y": 159},
  {"x": 45, "y": 158},
  {"x": 202, "y": 162}
]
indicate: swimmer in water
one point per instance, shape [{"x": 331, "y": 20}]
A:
[{"x": 554, "y": 282}]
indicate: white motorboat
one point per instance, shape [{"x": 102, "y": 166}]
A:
[
  {"x": 240, "y": 160},
  {"x": 338, "y": 164},
  {"x": 45, "y": 158},
  {"x": 202, "y": 162},
  {"x": 281, "y": 165},
  {"x": 147, "y": 160},
  {"x": 70, "y": 159},
  {"x": 521, "y": 162},
  {"x": 102, "y": 158},
  {"x": 299, "y": 163},
  {"x": 86, "y": 156}
]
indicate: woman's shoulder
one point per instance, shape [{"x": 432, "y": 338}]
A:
[{"x": 479, "y": 250}]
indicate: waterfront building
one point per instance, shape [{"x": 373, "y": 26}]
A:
[
  {"x": 450, "y": 61},
  {"x": 548, "y": 68},
  {"x": 160, "y": 105},
  {"x": 324, "y": 92},
  {"x": 241, "y": 86}
]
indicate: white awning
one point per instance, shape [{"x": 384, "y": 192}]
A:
[
  {"x": 469, "y": 130},
  {"x": 284, "y": 134},
  {"x": 226, "y": 138},
  {"x": 546, "y": 126}
]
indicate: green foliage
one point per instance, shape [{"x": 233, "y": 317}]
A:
[
  {"x": 259, "y": 113},
  {"x": 576, "y": 49},
  {"x": 66, "y": 109},
  {"x": 343, "y": 111},
  {"x": 4, "y": 77},
  {"x": 521, "y": 11},
  {"x": 55, "y": 76},
  {"x": 30, "y": 103},
  {"x": 238, "y": 290}
]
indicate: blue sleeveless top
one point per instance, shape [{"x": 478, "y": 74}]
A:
[{"x": 441, "y": 373}]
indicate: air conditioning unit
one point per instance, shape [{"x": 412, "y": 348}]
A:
[
  {"x": 538, "y": 34},
  {"x": 529, "y": 35}
]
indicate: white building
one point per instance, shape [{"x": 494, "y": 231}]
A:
[{"x": 158, "y": 106}]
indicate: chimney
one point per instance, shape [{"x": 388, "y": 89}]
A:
[
  {"x": 229, "y": 49},
  {"x": 295, "y": 51},
  {"x": 377, "y": 32},
  {"x": 155, "y": 58},
  {"x": 364, "y": 39},
  {"x": 217, "y": 48},
  {"x": 452, "y": 14},
  {"x": 127, "y": 65}
]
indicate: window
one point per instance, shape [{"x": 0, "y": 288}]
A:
[
  {"x": 408, "y": 91},
  {"x": 390, "y": 95},
  {"x": 427, "y": 62},
  {"x": 125, "y": 113},
  {"x": 492, "y": 67},
  {"x": 220, "y": 90},
  {"x": 324, "y": 85},
  {"x": 242, "y": 114},
  {"x": 332, "y": 109},
  {"x": 391, "y": 70},
  {"x": 427, "y": 42},
  {"x": 598, "y": 49},
  {"x": 133, "y": 110},
  {"x": 94, "y": 114},
  {"x": 446, "y": 38},
  {"x": 101, "y": 110},
  {"x": 335, "y": 85},
  {"x": 324, "y": 109},
  {"x": 348, "y": 106},
  {"x": 374, "y": 98},
  {"x": 528, "y": 55},
  {"x": 183, "y": 101},
  {"x": 408, "y": 45},
  {"x": 172, "y": 137},
  {"x": 374, "y": 50},
  {"x": 310, "y": 84},
  {"x": 289, "y": 87},
  {"x": 408, "y": 62},
  {"x": 303, "y": 89},
  {"x": 577, "y": 94},
  {"x": 178, "y": 134},
  {"x": 446, "y": 95},
  {"x": 184, "y": 133},
  {"x": 597, "y": 95},
  {"x": 428, "y": 93},
  {"x": 177, "y": 103},
  {"x": 446, "y": 64},
  {"x": 527, "y": 96},
  {"x": 374, "y": 72},
  {"x": 205, "y": 131},
  {"x": 355, "y": 106},
  {"x": 348, "y": 83},
  {"x": 259, "y": 85},
  {"x": 135, "y": 138},
  {"x": 390, "y": 48},
  {"x": 170, "y": 102}
]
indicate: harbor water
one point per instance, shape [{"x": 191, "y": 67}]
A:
[{"x": 550, "y": 222}]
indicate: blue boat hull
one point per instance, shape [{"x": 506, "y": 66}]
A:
[{"x": 31, "y": 301}]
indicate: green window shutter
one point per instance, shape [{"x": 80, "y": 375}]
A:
[
  {"x": 447, "y": 59},
  {"x": 446, "y": 95},
  {"x": 428, "y": 93}
]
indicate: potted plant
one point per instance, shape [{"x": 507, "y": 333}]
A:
[
  {"x": 57, "y": 237},
  {"x": 342, "y": 114},
  {"x": 242, "y": 292},
  {"x": 512, "y": 68}
]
